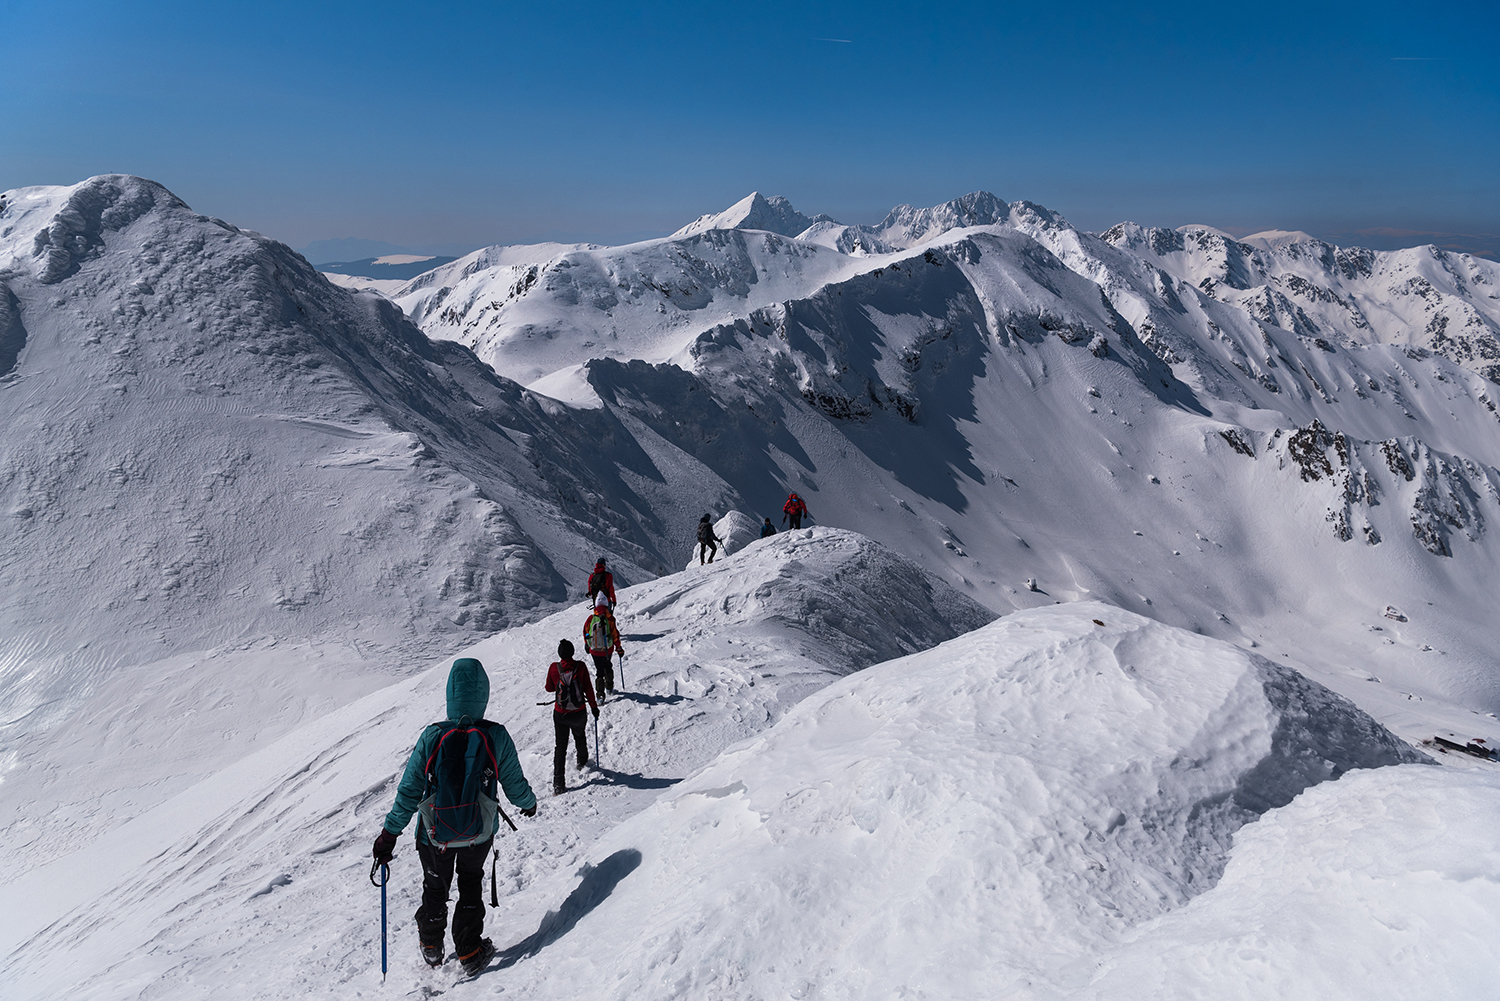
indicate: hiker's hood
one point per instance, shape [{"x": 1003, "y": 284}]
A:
[{"x": 468, "y": 689}]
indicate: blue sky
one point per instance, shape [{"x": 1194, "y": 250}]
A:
[{"x": 455, "y": 125}]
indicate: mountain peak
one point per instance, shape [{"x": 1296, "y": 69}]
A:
[
  {"x": 755, "y": 211},
  {"x": 907, "y": 226}
]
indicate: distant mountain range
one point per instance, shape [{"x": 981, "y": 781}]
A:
[{"x": 236, "y": 498}]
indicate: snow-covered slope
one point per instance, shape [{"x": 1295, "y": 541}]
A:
[
  {"x": 988, "y": 818},
  {"x": 1423, "y": 296},
  {"x": 647, "y": 301},
  {"x": 211, "y": 452},
  {"x": 1043, "y": 402},
  {"x": 754, "y": 211},
  {"x": 264, "y": 863}
]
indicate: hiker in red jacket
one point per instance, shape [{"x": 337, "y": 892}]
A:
[
  {"x": 601, "y": 581},
  {"x": 794, "y": 508},
  {"x": 601, "y": 638},
  {"x": 569, "y": 678}
]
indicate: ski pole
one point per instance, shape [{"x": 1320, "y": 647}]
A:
[
  {"x": 598, "y": 751},
  {"x": 622, "y": 670},
  {"x": 494, "y": 893}
]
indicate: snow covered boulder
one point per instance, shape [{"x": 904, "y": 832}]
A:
[
  {"x": 980, "y": 819},
  {"x": 736, "y": 530}
]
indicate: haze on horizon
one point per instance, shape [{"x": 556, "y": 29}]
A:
[{"x": 471, "y": 124}]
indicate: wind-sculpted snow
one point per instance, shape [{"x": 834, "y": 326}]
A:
[
  {"x": 980, "y": 820},
  {"x": 1379, "y": 885},
  {"x": 265, "y": 863}
]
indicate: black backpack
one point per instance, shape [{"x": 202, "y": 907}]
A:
[
  {"x": 598, "y": 581},
  {"x": 460, "y": 805}
]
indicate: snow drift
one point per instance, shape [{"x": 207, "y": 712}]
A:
[{"x": 979, "y": 820}]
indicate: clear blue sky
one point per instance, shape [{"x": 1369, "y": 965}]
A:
[{"x": 465, "y": 124}]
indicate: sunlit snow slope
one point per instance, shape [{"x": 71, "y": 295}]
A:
[{"x": 264, "y": 864}]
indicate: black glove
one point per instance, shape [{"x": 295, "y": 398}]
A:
[
  {"x": 530, "y": 811},
  {"x": 596, "y": 712},
  {"x": 385, "y": 844}
]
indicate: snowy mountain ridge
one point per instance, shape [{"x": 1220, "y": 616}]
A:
[{"x": 244, "y": 508}]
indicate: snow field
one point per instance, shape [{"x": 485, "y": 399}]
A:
[
  {"x": 977, "y": 820},
  {"x": 264, "y": 864}
]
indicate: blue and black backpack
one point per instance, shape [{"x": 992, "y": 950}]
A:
[{"x": 460, "y": 805}]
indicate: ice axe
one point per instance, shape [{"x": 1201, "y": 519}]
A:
[{"x": 385, "y": 877}]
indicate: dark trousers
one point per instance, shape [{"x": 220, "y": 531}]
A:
[
  {"x": 707, "y": 547},
  {"x": 437, "y": 878},
  {"x": 796, "y": 517},
  {"x": 565, "y": 723},
  {"x": 604, "y": 672}
]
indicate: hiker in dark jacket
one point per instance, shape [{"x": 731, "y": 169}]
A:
[
  {"x": 708, "y": 542},
  {"x": 468, "y": 694},
  {"x": 569, "y": 678},
  {"x": 795, "y": 508},
  {"x": 601, "y": 581},
  {"x": 767, "y": 530}
]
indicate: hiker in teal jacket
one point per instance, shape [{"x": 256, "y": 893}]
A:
[{"x": 468, "y": 695}]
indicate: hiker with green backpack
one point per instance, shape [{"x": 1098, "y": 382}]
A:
[
  {"x": 451, "y": 780},
  {"x": 601, "y": 638}
]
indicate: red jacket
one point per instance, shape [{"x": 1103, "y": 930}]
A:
[
  {"x": 609, "y": 585},
  {"x": 794, "y": 505},
  {"x": 554, "y": 682}
]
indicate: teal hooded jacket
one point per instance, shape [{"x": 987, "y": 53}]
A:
[{"x": 468, "y": 695}]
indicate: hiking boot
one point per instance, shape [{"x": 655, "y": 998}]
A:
[
  {"x": 558, "y": 788},
  {"x": 432, "y": 955},
  {"x": 477, "y": 960}
]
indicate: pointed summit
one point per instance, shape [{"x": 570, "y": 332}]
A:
[{"x": 755, "y": 211}]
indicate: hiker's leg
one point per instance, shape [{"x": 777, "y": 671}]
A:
[
  {"x": 468, "y": 916},
  {"x": 437, "y": 878}
]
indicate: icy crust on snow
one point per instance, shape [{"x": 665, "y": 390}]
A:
[
  {"x": 972, "y": 821},
  {"x": 1382, "y": 884}
]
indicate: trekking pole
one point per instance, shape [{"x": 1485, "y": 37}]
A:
[
  {"x": 495, "y": 862},
  {"x": 598, "y": 751},
  {"x": 385, "y": 877}
]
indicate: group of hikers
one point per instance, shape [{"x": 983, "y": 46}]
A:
[
  {"x": 460, "y": 764},
  {"x": 795, "y": 509}
]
